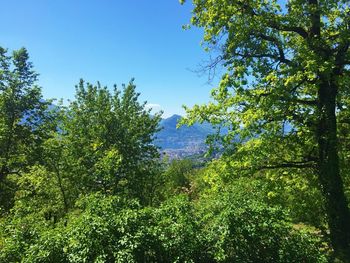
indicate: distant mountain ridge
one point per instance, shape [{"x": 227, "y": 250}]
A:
[{"x": 184, "y": 141}]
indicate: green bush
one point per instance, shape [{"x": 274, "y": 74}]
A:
[
  {"x": 241, "y": 228},
  {"x": 113, "y": 229}
]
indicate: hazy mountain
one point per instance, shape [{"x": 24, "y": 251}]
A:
[{"x": 183, "y": 141}]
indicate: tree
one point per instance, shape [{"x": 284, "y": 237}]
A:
[
  {"x": 22, "y": 116},
  {"x": 109, "y": 140},
  {"x": 285, "y": 90},
  {"x": 177, "y": 176}
]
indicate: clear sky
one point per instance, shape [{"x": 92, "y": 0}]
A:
[{"x": 110, "y": 41}]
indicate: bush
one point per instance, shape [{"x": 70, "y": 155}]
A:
[
  {"x": 112, "y": 229},
  {"x": 237, "y": 228}
]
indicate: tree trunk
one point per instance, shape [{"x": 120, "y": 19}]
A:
[{"x": 336, "y": 205}]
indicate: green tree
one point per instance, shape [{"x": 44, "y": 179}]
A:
[
  {"x": 22, "y": 118},
  {"x": 287, "y": 64},
  {"x": 109, "y": 140},
  {"x": 177, "y": 177}
]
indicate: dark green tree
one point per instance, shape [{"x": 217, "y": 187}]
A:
[{"x": 22, "y": 118}]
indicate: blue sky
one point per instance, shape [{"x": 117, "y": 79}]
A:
[{"x": 110, "y": 41}]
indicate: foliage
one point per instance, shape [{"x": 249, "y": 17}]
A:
[
  {"x": 109, "y": 136},
  {"x": 23, "y": 119},
  {"x": 249, "y": 231},
  {"x": 113, "y": 229},
  {"x": 87, "y": 185},
  {"x": 110, "y": 229},
  {"x": 177, "y": 177},
  {"x": 285, "y": 91}
]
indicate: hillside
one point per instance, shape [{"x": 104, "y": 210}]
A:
[{"x": 183, "y": 141}]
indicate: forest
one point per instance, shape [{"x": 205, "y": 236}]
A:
[{"x": 85, "y": 182}]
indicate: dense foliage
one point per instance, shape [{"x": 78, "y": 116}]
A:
[
  {"x": 285, "y": 93},
  {"x": 22, "y": 120},
  {"x": 84, "y": 182}
]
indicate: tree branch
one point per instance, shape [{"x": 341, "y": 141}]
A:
[
  {"x": 286, "y": 28},
  {"x": 273, "y": 24},
  {"x": 307, "y": 102},
  {"x": 299, "y": 165},
  {"x": 282, "y": 58},
  {"x": 340, "y": 58}
]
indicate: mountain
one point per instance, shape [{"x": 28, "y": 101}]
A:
[{"x": 184, "y": 141}]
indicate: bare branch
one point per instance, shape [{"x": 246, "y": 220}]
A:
[{"x": 209, "y": 67}]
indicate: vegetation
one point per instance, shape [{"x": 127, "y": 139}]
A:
[
  {"x": 285, "y": 93},
  {"x": 84, "y": 182}
]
